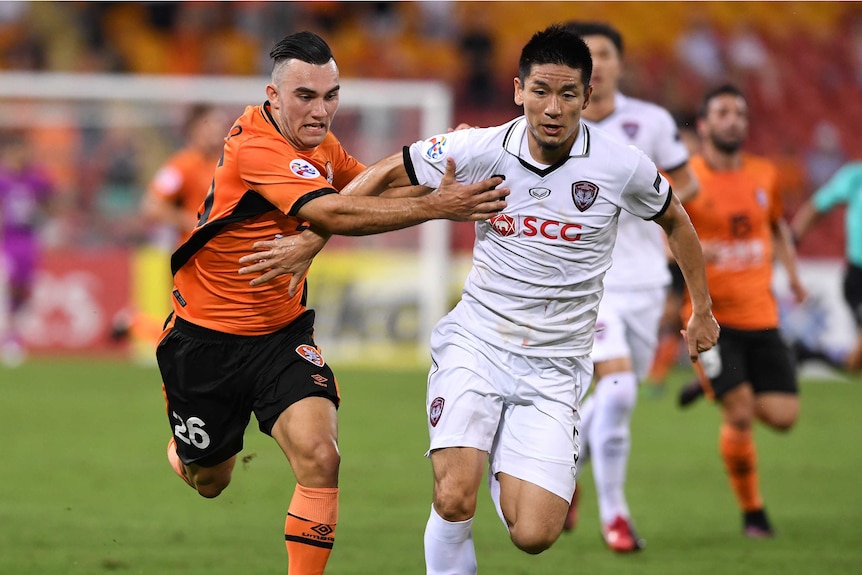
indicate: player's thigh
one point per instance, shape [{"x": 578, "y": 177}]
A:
[
  {"x": 530, "y": 508},
  {"x": 643, "y": 321},
  {"x": 778, "y": 410},
  {"x": 725, "y": 365},
  {"x": 537, "y": 441},
  {"x": 628, "y": 327},
  {"x": 464, "y": 398}
]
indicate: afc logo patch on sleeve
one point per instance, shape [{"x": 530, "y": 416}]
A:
[
  {"x": 303, "y": 169},
  {"x": 310, "y": 354},
  {"x": 435, "y": 148}
]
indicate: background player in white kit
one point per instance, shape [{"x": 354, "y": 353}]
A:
[
  {"x": 627, "y": 328},
  {"x": 510, "y": 362}
]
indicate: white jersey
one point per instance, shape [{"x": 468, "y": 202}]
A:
[
  {"x": 536, "y": 279},
  {"x": 639, "y": 258}
]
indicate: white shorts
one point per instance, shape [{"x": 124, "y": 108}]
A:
[
  {"x": 627, "y": 326},
  {"x": 521, "y": 410}
]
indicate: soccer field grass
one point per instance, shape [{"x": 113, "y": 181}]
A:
[{"x": 85, "y": 487}]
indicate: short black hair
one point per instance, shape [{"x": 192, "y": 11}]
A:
[
  {"x": 723, "y": 90},
  {"x": 583, "y": 28},
  {"x": 305, "y": 46},
  {"x": 556, "y": 45}
]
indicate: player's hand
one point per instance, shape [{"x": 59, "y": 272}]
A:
[
  {"x": 800, "y": 294},
  {"x": 286, "y": 255},
  {"x": 700, "y": 334},
  {"x": 468, "y": 202}
]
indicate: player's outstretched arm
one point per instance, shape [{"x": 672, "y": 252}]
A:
[
  {"x": 361, "y": 215},
  {"x": 702, "y": 330}
]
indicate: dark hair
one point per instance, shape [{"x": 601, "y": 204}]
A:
[
  {"x": 723, "y": 90},
  {"x": 556, "y": 45},
  {"x": 194, "y": 115},
  {"x": 597, "y": 29},
  {"x": 305, "y": 46}
]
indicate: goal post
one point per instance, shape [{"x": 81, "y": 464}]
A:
[{"x": 377, "y": 298}]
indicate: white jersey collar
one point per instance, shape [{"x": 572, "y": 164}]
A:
[{"x": 515, "y": 136}]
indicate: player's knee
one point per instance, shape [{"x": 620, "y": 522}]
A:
[
  {"x": 532, "y": 541},
  {"x": 454, "y": 504},
  {"x": 620, "y": 392},
  {"x": 211, "y": 486}
]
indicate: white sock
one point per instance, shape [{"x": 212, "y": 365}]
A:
[
  {"x": 494, "y": 488},
  {"x": 610, "y": 441},
  {"x": 449, "y": 546}
]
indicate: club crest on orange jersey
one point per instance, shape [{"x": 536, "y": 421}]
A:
[
  {"x": 303, "y": 169},
  {"x": 310, "y": 354},
  {"x": 584, "y": 194},
  {"x": 436, "y": 410}
]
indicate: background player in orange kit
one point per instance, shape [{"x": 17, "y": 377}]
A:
[
  {"x": 738, "y": 218},
  {"x": 230, "y": 350}
]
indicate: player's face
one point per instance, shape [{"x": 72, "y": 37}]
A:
[
  {"x": 553, "y": 96},
  {"x": 209, "y": 132},
  {"x": 607, "y": 66},
  {"x": 726, "y": 122},
  {"x": 304, "y": 101}
]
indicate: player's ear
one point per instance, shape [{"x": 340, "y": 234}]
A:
[
  {"x": 587, "y": 93},
  {"x": 272, "y": 95},
  {"x": 519, "y": 97}
]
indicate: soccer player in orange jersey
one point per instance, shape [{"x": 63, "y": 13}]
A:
[
  {"x": 738, "y": 218},
  {"x": 176, "y": 191},
  {"x": 230, "y": 349}
]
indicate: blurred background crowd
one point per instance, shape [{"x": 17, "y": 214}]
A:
[{"x": 800, "y": 64}]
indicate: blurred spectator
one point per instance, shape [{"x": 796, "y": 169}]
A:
[
  {"x": 750, "y": 63},
  {"x": 824, "y": 155},
  {"x": 699, "y": 49},
  {"x": 25, "y": 191}
]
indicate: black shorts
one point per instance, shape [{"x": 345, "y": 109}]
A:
[
  {"x": 214, "y": 381},
  {"x": 853, "y": 292},
  {"x": 759, "y": 357},
  {"x": 677, "y": 281}
]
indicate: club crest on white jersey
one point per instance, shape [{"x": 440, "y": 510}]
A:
[
  {"x": 303, "y": 169},
  {"x": 435, "y": 148},
  {"x": 584, "y": 194}
]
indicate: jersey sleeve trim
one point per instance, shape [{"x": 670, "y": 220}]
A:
[
  {"x": 408, "y": 165},
  {"x": 666, "y": 204},
  {"x": 297, "y": 205}
]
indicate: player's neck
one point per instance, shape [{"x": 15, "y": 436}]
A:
[
  {"x": 721, "y": 161},
  {"x": 600, "y": 108}
]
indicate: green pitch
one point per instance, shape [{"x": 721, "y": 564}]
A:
[{"x": 85, "y": 487}]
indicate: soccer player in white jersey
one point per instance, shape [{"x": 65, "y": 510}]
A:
[
  {"x": 511, "y": 360},
  {"x": 627, "y": 329}
]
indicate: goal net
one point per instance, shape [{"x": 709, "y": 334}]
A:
[{"x": 103, "y": 136}]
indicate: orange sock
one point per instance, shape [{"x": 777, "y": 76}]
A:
[
  {"x": 666, "y": 357},
  {"x": 309, "y": 530},
  {"x": 740, "y": 461}
]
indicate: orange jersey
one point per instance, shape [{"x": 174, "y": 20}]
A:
[
  {"x": 260, "y": 183},
  {"x": 733, "y": 215},
  {"x": 184, "y": 181}
]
